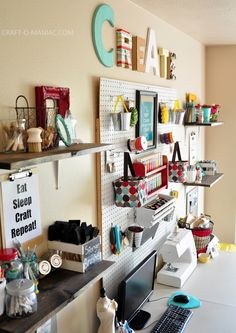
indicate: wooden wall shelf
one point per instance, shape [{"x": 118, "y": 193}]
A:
[
  {"x": 215, "y": 123},
  {"x": 16, "y": 161},
  {"x": 56, "y": 291},
  {"x": 207, "y": 181}
]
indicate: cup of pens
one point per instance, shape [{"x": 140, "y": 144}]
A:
[{"x": 191, "y": 174}]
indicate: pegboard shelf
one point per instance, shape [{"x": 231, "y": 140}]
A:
[
  {"x": 163, "y": 167},
  {"x": 14, "y": 161},
  {"x": 147, "y": 234},
  {"x": 207, "y": 181},
  {"x": 157, "y": 179},
  {"x": 156, "y": 210},
  {"x": 107, "y": 212}
]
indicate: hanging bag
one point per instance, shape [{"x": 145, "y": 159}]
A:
[
  {"x": 177, "y": 169},
  {"x": 130, "y": 191}
]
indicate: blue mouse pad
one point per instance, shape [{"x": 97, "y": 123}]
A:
[{"x": 193, "y": 302}]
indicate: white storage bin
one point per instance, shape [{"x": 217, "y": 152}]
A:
[{"x": 147, "y": 217}]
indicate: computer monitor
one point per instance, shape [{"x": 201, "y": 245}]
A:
[{"x": 135, "y": 290}]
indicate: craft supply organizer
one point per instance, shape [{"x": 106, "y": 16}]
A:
[
  {"x": 123, "y": 217},
  {"x": 155, "y": 168},
  {"x": 78, "y": 258},
  {"x": 161, "y": 208}
]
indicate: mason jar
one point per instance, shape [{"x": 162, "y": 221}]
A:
[
  {"x": 21, "y": 299},
  {"x": 11, "y": 263}
]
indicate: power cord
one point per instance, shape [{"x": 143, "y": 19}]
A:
[
  {"x": 154, "y": 300},
  {"x": 158, "y": 299}
]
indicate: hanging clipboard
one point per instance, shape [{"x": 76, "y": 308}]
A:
[{"x": 20, "y": 208}]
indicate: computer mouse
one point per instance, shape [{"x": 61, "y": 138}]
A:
[{"x": 181, "y": 299}]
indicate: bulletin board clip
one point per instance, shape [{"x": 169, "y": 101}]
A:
[{"x": 20, "y": 174}]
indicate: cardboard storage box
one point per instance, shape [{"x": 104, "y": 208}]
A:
[{"x": 78, "y": 258}]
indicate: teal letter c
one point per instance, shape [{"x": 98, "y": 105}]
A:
[{"x": 102, "y": 13}]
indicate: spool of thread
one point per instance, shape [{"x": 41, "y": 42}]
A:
[
  {"x": 137, "y": 144},
  {"x": 44, "y": 267},
  {"x": 56, "y": 261},
  {"x": 34, "y": 140}
]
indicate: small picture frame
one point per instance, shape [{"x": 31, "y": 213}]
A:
[
  {"x": 61, "y": 98},
  {"x": 146, "y": 104}
]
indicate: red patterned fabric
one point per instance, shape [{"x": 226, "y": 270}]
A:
[{"x": 130, "y": 194}]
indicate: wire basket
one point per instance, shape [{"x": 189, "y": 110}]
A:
[
  {"x": 30, "y": 113},
  {"x": 49, "y": 135}
]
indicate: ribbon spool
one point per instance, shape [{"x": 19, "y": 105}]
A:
[
  {"x": 138, "y": 144},
  {"x": 166, "y": 138}
]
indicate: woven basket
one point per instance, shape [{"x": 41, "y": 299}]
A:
[{"x": 202, "y": 238}]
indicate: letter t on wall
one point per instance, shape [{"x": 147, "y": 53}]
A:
[{"x": 163, "y": 53}]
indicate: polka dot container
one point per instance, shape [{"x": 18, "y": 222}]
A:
[
  {"x": 178, "y": 171},
  {"x": 131, "y": 193}
]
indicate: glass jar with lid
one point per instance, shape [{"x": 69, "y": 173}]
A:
[
  {"x": 11, "y": 263},
  {"x": 21, "y": 299},
  {"x": 199, "y": 114},
  {"x": 15, "y": 135},
  {"x": 22, "y": 134}
]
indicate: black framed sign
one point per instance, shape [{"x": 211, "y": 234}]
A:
[{"x": 146, "y": 104}]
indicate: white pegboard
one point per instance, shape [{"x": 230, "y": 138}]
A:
[{"x": 127, "y": 260}]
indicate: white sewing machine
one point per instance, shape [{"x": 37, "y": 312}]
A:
[{"x": 179, "y": 253}]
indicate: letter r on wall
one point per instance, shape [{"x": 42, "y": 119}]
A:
[{"x": 102, "y": 13}]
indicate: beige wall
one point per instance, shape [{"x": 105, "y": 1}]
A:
[
  {"x": 70, "y": 61},
  {"x": 221, "y": 141}
]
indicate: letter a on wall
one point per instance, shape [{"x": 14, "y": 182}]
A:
[
  {"x": 102, "y": 13},
  {"x": 151, "y": 56}
]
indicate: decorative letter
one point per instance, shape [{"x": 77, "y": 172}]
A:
[
  {"x": 102, "y": 13},
  {"x": 171, "y": 66},
  {"x": 138, "y": 50},
  {"x": 151, "y": 56},
  {"x": 163, "y": 53},
  {"x": 123, "y": 48}
]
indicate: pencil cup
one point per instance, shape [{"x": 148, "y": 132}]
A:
[
  {"x": 2, "y": 295},
  {"x": 191, "y": 176},
  {"x": 206, "y": 114},
  {"x": 116, "y": 121},
  {"x": 135, "y": 234},
  {"x": 125, "y": 121}
]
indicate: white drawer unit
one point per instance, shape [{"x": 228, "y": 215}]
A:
[{"x": 160, "y": 208}]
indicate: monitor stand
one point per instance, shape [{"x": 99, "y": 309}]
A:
[{"x": 139, "y": 320}]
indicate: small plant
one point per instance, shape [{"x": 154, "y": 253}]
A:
[{"x": 134, "y": 116}]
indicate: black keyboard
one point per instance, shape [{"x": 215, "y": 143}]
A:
[{"x": 173, "y": 320}]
